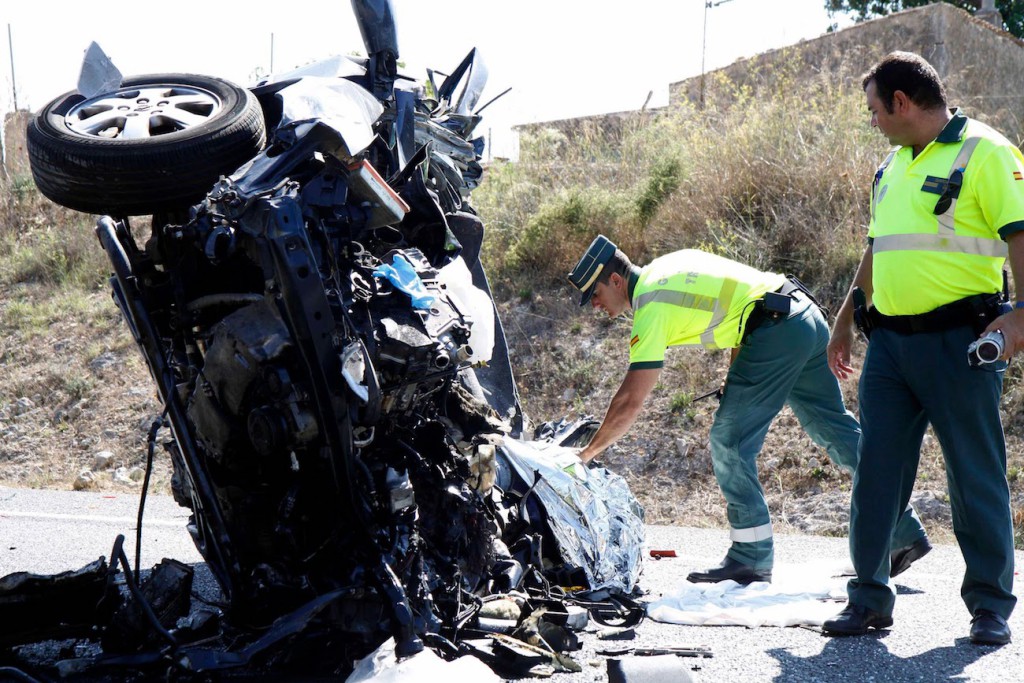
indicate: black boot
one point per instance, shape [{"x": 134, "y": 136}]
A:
[
  {"x": 731, "y": 569},
  {"x": 901, "y": 558},
  {"x": 988, "y": 628},
  {"x": 855, "y": 620}
]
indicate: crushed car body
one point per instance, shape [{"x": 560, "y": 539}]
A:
[{"x": 340, "y": 408}]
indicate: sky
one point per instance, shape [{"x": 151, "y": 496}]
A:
[{"x": 561, "y": 58}]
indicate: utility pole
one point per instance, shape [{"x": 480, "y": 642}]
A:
[
  {"x": 14, "y": 87},
  {"x": 989, "y": 13},
  {"x": 708, "y": 4},
  {"x": 271, "y": 52}
]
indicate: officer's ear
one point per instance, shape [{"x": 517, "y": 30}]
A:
[
  {"x": 616, "y": 280},
  {"x": 900, "y": 102}
]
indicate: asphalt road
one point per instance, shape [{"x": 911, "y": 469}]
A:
[{"x": 52, "y": 531}]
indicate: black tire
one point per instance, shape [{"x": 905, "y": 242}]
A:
[{"x": 174, "y": 158}]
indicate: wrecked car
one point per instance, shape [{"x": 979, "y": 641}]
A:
[{"x": 340, "y": 409}]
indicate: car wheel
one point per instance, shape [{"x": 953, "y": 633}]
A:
[{"x": 158, "y": 143}]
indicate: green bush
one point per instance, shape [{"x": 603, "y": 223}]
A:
[
  {"x": 779, "y": 182},
  {"x": 561, "y": 223},
  {"x": 664, "y": 179}
]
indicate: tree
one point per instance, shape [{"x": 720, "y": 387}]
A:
[{"x": 1012, "y": 10}]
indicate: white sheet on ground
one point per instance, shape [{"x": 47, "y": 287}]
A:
[
  {"x": 801, "y": 594},
  {"x": 381, "y": 666}
]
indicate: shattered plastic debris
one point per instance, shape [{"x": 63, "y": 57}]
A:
[
  {"x": 616, "y": 634},
  {"x": 536, "y": 659}
]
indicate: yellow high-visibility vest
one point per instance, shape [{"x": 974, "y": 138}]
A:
[
  {"x": 923, "y": 259},
  {"x": 692, "y": 298}
]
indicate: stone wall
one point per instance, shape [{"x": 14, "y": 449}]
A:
[
  {"x": 609, "y": 127},
  {"x": 980, "y": 64}
]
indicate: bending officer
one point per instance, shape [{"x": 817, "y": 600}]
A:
[{"x": 696, "y": 299}]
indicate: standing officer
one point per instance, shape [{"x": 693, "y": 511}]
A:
[
  {"x": 942, "y": 204},
  {"x": 779, "y": 337}
]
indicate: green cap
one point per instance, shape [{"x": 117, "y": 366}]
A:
[{"x": 585, "y": 275}]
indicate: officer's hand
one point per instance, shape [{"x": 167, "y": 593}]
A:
[
  {"x": 1012, "y": 326},
  {"x": 838, "y": 352}
]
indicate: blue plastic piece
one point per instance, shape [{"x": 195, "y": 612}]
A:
[{"x": 403, "y": 276}]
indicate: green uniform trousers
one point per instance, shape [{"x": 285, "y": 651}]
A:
[
  {"x": 782, "y": 361},
  {"x": 909, "y": 381}
]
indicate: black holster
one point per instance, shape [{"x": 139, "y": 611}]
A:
[{"x": 860, "y": 313}]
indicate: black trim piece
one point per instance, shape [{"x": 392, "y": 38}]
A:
[
  {"x": 954, "y": 129},
  {"x": 1011, "y": 229},
  {"x": 647, "y": 365}
]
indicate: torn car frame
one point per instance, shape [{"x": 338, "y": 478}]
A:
[{"x": 327, "y": 413}]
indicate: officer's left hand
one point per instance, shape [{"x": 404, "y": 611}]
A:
[
  {"x": 839, "y": 351},
  {"x": 1012, "y": 326}
]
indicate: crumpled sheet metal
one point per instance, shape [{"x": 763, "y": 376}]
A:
[
  {"x": 98, "y": 74},
  {"x": 595, "y": 518},
  {"x": 335, "y": 66},
  {"x": 342, "y": 105}
]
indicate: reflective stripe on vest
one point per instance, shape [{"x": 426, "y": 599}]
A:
[
  {"x": 722, "y": 305},
  {"x": 700, "y": 302},
  {"x": 946, "y": 223},
  {"x": 717, "y": 306},
  {"x": 950, "y": 244},
  {"x": 751, "y": 534}
]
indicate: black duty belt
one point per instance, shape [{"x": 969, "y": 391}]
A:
[
  {"x": 974, "y": 311},
  {"x": 759, "y": 314}
]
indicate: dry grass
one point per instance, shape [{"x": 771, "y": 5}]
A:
[
  {"x": 40, "y": 241},
  {"x": 73, "y": 382},
  {"x": 778, "y": 183},
  {"x": 74, "y": 385}
]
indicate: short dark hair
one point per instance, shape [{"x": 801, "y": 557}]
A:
[
  {"x": 618, "y": 263},
  {"x": 910, "y": 73}
]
